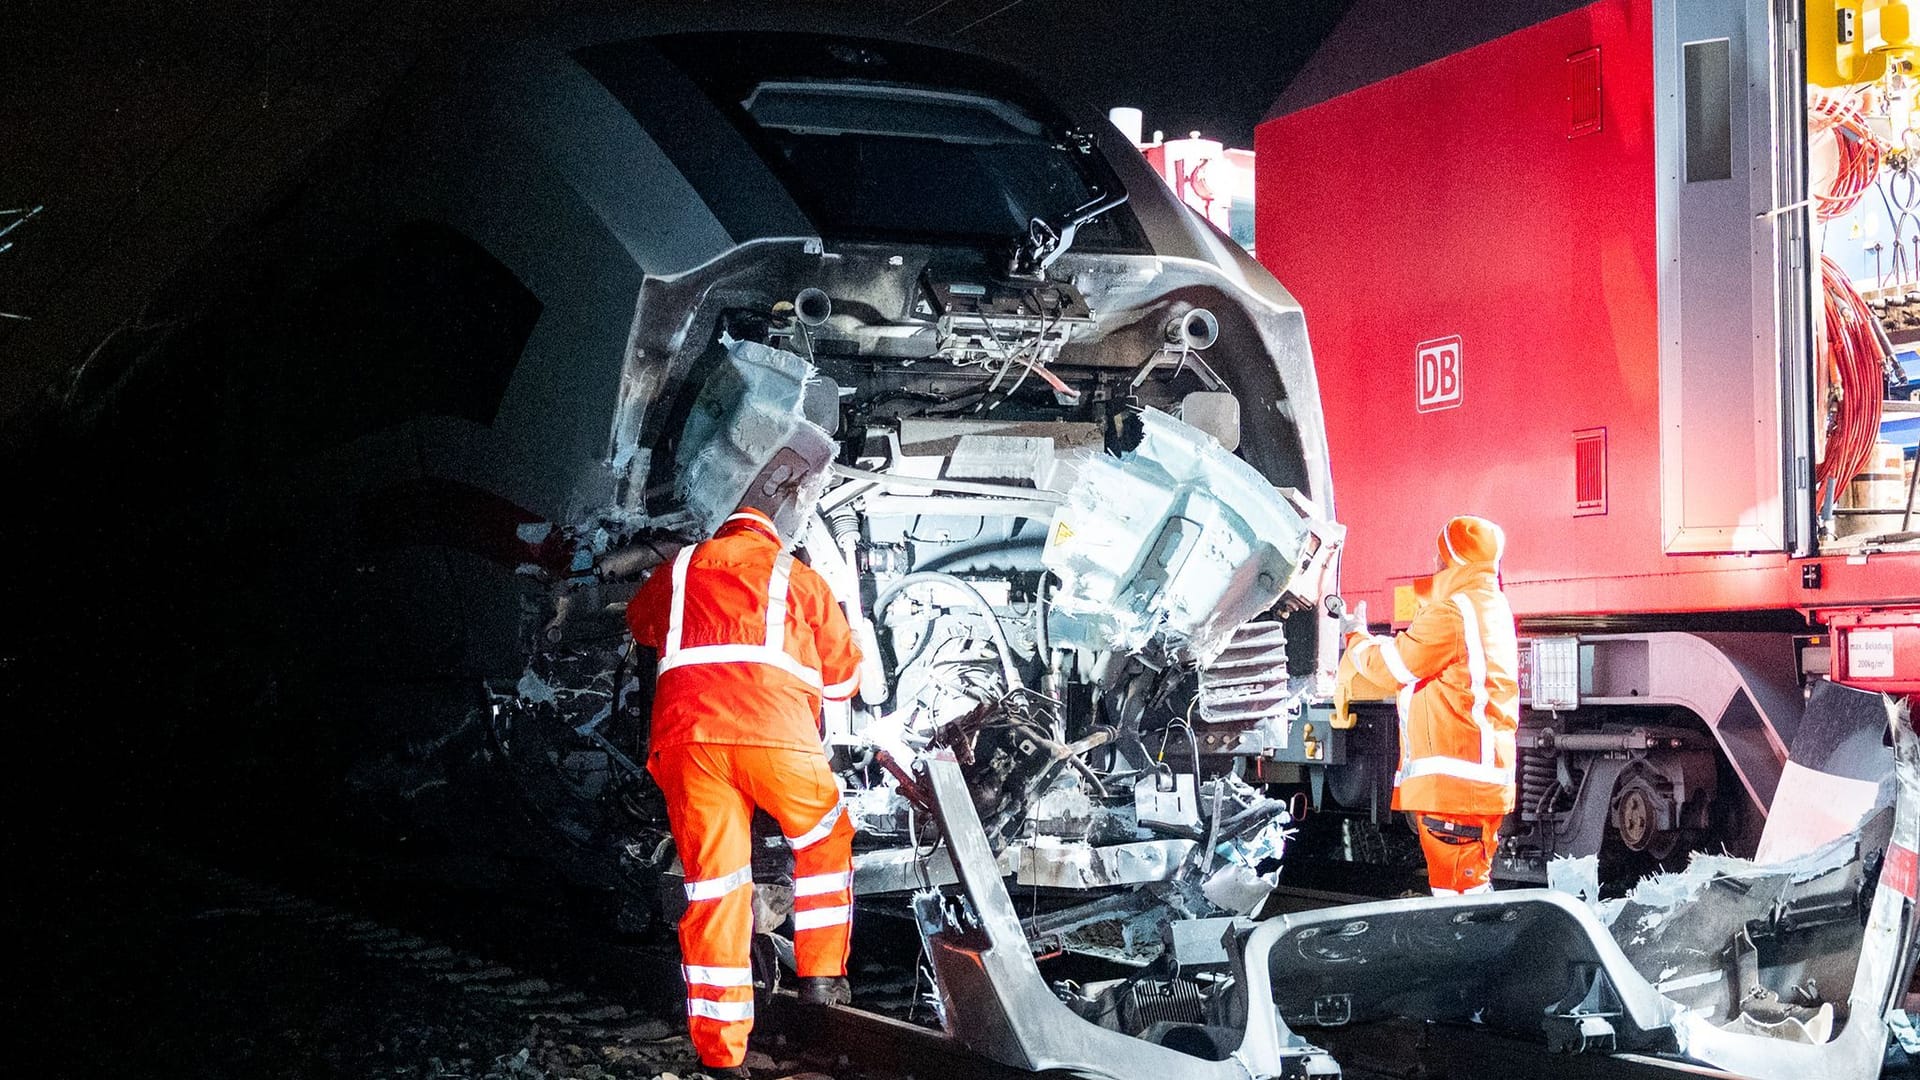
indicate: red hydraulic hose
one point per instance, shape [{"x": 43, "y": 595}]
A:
[
  {"x": 1854, "y": 362},
  {"x": 1859, "y": 148}
]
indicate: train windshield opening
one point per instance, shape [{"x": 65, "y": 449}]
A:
[{"x": 896, "y": 162}]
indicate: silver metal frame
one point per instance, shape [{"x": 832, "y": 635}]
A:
[
  {"x": 1732, "y": 286},
  {"x": 1443, "y": 959},
  {"x": 996, "y": 1002}
]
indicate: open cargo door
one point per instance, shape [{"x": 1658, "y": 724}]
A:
[{"x": 1734, "y": 331}]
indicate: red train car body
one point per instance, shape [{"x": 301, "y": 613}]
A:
[
  {"x": 1475, "y": 243},
  {"x": 1565, "y": 280}
]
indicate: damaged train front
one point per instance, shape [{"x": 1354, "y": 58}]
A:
[{"x": 1063, "y": 579}]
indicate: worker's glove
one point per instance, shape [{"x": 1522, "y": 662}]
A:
[{"x": 1355, "y": 620}]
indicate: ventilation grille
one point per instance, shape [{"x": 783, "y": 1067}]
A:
[
  {"x": 1590, "y": 471},
  {"x": 1248, "y": 681},
  {"x": 1583, "y": 93}
]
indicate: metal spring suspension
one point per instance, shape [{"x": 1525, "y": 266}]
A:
[{"x": 1538, "y": 776}]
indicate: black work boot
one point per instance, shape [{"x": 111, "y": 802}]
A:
[
  {"x": 825, "y": 990},
  {"x": 726, "y": 1072}
]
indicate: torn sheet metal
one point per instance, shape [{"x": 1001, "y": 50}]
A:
[
  {"x": 995, "y": 1001},
  {"x": 749, "y": 411},
  {"x": 1723, "y": 965},
  {"x": 1250, "y": 870},
  {"x": 1051, "y": 863},
  {"x": 1175, "y": 537},
  {"x": 1764, "y": 964},
  {"x": 1837, "y": 773},
  {"x": 1885, "y": 950}
]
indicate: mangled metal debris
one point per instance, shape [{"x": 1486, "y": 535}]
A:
[
  {"x": 1761, "y": 970},
  {"x": 1075, "y": 619}
]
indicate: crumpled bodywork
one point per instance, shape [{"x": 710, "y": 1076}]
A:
[
  {"x": 1672, "y": 971},
  {"x": 1176, "y": 539},
  {"x": 1057, "y": 571},
  {"x": 748, "y": 410}
]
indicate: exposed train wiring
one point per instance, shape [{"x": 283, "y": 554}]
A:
[
  {"x": 1903, "y": 267},
  {"x": 1860, "y": 152},
  {"x": 1855, "y": 366}
]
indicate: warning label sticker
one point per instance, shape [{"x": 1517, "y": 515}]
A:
[
  {"x": 1870, "y": 654},
  {"x": 1901, "y": 871}
]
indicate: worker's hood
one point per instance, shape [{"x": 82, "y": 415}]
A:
[
  {"x": 1459, "y": 578},
  {"x": 1469, "y": 539}
]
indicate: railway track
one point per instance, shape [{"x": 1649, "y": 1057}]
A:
[
  {"x": 615, "y": 1005},
  {"x": 619, "y": 1004}
]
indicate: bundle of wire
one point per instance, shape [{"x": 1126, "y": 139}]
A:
[
  {"x": 1854, "y": 365},
  {"x": 1860, "y": 153}
]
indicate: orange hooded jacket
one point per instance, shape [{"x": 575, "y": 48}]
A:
[{"x": 1456, "y": 665}]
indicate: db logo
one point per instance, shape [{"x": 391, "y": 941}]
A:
[{"x": 1438, "y": 371}]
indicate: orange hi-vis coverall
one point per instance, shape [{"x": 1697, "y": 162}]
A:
[
  {"x": 1459, "y": 705},
  {"x": 749, "y": 641}
]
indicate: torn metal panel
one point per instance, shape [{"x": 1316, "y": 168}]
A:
[
  {"x": 1885, "y": 951},
  {"x": 1050, "y": 863},
  {"x": 1530, "y": 962},
  {"x": 1177, "y": 538},
  {"x": 1701, "y": 967},
  {"x": 1837, "y": 773},
  {"x": 750, "y": 411},
  {"x": 995, "y": 1001},
  {"x": 1765, "y": 965}
]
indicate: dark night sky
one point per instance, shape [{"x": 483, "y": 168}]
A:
[
  {"x": 109, "y": 108},
  {"x": 1213, "y": 64}
]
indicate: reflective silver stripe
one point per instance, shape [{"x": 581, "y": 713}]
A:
[
  {"x": 677, "y": 610},
  {"x": 701, "y": 975},
  {"x": 1447, "y": 539},
  {"x": 820, "y": 884},
  {"x": 720, "y": 1010},
  {"x": 1438, "y": 891},
  {"x": 747, "y": 515},
  {"x": 1483, "y": 887},
  {"x": 1441, "y": 765},
  {"x": 818, "y": 832},
  {"x": 741, "y": 654},
  {"x": 1477, "y": 671},
  {"x": 841, "y": 691},
  {"x": 715, "y": 888},
  {"x": 1390, "y": 652},
  {"x": 1359, "y": 649},
  {"x": 820, "y": 918},
  {"x": 1403, "y": 707},
  {"x": 772, "y": 652},
  {"x": 777, "y": 602}
]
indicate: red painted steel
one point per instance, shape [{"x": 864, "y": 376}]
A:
[
  {"x": 1901, "y": 871},
  {"x": 1889, "y": 662},
  {"x": 1465, "y": 198}
]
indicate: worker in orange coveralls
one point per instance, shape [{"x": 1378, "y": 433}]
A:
[
  {"x": 1459, "y": 704},
  {"x": 749, "y": 642}
]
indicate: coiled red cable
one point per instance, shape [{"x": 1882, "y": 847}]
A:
[
  {"x": 1860, "y": 151},
  {"x": 1854, "y": 365}
]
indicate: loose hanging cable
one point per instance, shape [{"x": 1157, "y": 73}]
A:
[
  {"x": 1856, "y": 366},
  {"x": 1860, "y": 152}
]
